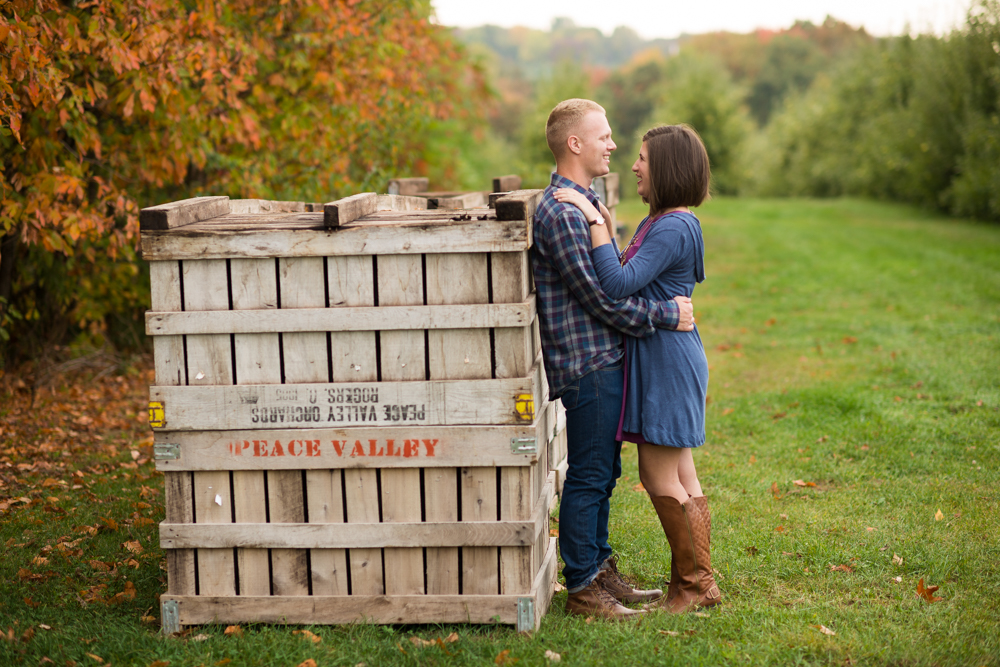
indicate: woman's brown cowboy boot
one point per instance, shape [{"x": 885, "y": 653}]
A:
[{"x": 687, "y": 527}]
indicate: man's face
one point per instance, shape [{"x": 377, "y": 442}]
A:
[{"x": 594, "y": 137}]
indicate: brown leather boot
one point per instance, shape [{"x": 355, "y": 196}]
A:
[
  {"x": 596, "y": 600},
  {"x": 620, "y": 587},
  {"x": 687, "y": 527}
]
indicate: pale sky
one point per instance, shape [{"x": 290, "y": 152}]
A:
[{"x": 670, "y": 18}]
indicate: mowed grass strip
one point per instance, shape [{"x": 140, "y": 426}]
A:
[{"x": 853, "y": 450}]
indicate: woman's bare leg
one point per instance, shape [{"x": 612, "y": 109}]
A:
[
  {"x": 687, "y": 474},
  {"x": 659, "y": 471}
]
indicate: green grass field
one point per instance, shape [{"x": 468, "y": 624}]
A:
[{"x": 853, "y": 450}]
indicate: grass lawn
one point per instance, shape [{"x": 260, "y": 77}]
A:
[{"x": 853, "y": 450}]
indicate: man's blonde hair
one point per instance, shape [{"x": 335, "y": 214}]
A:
[{"x": 564, "y": 119}]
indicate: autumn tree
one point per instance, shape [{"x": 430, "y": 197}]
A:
[{"x": 107, "y": 106}]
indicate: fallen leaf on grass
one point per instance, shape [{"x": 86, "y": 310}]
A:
[
  {"x": 753, "y": 459},
  {"x": 928, "y": 592},
  {"x": 315, "y": 639},
  {"x": 752, "y": 550},
  {"x": 199, "y": 638},
  {"x": 670, "y": 633},
  {"x": 825, "y": 630},
  {"x": 700, "y": 614},
  {"x": 133, "y": 545},
  {"x": 159, "y": 663},
  {"x": 99, "y": 565},
  {"x": 39, "y": 560},
  {"x": 799, "y": 482},
  {"x": 779, "y": 529},
  {"x": 97, "y": 658},
  {"x": 503, "y": 658},
  {"x": 898, "y": 580},
  {"x": 28, "y": 575},
  {"x": 775, "y": 492},
  {"x": 557, "y": 587},
  {"x": 897, "y": 560},
  {"x": 639, "y": 487},
  {"x": 938, "y": 515},
  {"x": 234, "y": 630},
  {"x": 309, "y": 662},
  {"x": 849, "y": 340},
  {"x": 553, "y": 532},
  {"x": 841, "y": 568},
  {"x": 44, "y": 627},
  {"x": 727, "y": 411},
  {"x": 553, "y": 656}
]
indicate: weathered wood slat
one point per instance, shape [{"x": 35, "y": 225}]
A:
[
  {"x": 184, "y": 212},
  {"x": 255, "y": 206},
  {"x": 318, "y": 449},
  {"x": 459, "y": 201},
  {"x": 392, "y": 202},
  {"x": 507, "y": 183},
  {"x": 518, "y": 205},
  {"x": 380, "y": 318},
  {"x": 339, "y": 609},
  {"x": 408, "y": 186},
  {"x": 307, "y": 238},
  {"x": 435, "y": 402},
  {"x": 607, "y": 188},
  {"x": 467, "y": 533},
  {"x": 349, "y": 209}
]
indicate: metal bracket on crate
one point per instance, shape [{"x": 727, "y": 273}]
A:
[
  {"x": 525, "y": 614},
  {"x": 523, "y": 446},
  {"x": 166, "y": 451},
  {"x": 170, "y": 617}
]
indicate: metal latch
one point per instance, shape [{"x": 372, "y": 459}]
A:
[
  {"x": 523, "y": 446},
  {"x": 166, "y": 451},
  {"x": 525, "y": 614},
  {"x": 170, "y": 617}
]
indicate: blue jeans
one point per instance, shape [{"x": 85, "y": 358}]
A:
[{"x": 593, "y": 406}]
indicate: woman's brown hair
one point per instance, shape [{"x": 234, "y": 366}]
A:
[{"x": 679, "y": 171}]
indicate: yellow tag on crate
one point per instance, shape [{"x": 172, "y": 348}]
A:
[
  {"x": 524, "y": 404},
  {"x": 157, "y": 418}
]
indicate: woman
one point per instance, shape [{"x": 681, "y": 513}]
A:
[{"x": 667, "y": 374}]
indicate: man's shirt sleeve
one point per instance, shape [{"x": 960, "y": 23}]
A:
[{"x": 569, "y": 252}]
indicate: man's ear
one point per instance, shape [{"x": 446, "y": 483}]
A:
[{"x": 574, "y": 144}]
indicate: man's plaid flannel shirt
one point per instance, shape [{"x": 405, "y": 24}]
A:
[{"x": 581, "y": 326}]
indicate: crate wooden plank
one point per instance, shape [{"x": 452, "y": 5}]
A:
[
  {"x": 364, "y": 562},
  {"x": 458, "y": 201},
  {"x": 470, "y": 533},
  {"x": 310, "y": 239},
  {"x": 399, "y": 202},
  {"x": 516, "y": 573},
  {"x": 325, "y": 502},
  {"x": 441, "y": 505},
  {"x": 213, "y": 505},
  {"x": 458, "y": 353},
  {"x": 301, "y": 286},
  {"x": 206, "y": 288},
  {"x": 400, "y": 284},
  {"x": 607, "y": 188},
  {"x": 253, "y": 286},
  {"x": 179, "y": 508},
  {"x": 362, "y": 447},
  {"x": 436, "y": 402},
  {"x": 351, "y": 284},
  {"x": 349, "y": 209},
  {"x": 480, "y": 572},
  {"x": 168, "y": 352},
  {"x": 507, "y": 183},
  {"x": 407, "y": 186},
  {"x": 404, "y": 567},
  {"x": 381, "y": 318},
  {"x": 254, "y": 206},
  {"x": 286, "y": 501},
  {"x": 395, "y": 609},
  {"x": 184, "y": 212},
  {"x": 518, "y": 205}
]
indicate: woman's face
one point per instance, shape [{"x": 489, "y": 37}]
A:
[{"x": 641, "y": 170}]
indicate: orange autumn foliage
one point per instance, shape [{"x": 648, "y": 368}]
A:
[{"x": 108, "y": 106}]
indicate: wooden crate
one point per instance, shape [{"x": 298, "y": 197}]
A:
[{"x": 346, "y": 418}]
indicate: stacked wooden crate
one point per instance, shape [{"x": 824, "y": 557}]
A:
[{"x": 350, "y": 412}]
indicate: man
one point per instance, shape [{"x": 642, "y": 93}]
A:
[{"x": 582, "y": 349}]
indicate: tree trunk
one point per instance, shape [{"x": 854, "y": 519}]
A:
[{"x": 10, "y": 243}]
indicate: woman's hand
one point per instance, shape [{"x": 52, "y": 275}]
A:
[{"x": 578, "y": 199}]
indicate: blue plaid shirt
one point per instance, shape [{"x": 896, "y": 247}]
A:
[{"x": 581, "y": 326}]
